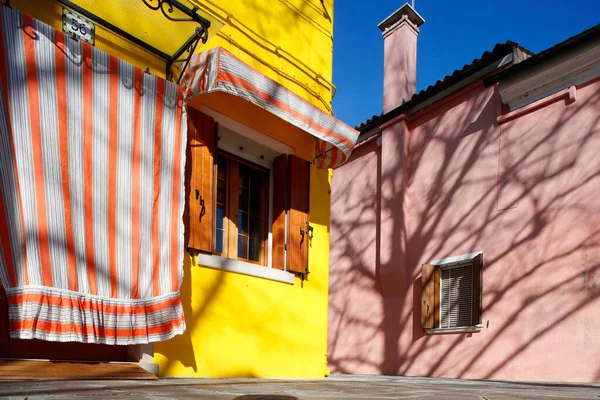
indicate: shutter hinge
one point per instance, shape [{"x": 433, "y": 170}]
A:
[{"x": 192, "y": 255}]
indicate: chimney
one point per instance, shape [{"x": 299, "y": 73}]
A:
[{"x": 400, "y": 31}]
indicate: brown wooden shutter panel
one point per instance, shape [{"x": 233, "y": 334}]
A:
[
  {"x": 299, "y": 217},
  {"x": 202, "y": 137},
  {"x": 430, "y": 296},
  {"x": 477, "y": 275},
  {"x": 280, "y": 199}
]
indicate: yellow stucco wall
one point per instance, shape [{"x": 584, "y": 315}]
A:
[
  {"x": 240, "y": 325},
  {"x": 288, "y": 40}
]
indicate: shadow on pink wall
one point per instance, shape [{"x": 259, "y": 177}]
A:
[{"x": 524, "y": 192}]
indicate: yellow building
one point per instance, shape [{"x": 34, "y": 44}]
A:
[{"x": 261, "y": 138}]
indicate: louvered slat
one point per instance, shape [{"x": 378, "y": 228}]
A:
[
  {"x": 457, "y": 292},
  {"x": 445, "y": 298}
]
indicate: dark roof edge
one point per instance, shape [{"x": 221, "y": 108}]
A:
[
  {"x": 548, "y": 54},
  {"x": 500, "y": 51}
]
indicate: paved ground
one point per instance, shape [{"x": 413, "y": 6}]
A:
[{"x": 336, "y": 387}]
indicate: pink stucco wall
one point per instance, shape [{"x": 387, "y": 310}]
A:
[{"x": 452, "y": 182}]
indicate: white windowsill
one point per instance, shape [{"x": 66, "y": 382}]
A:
[
  {"x": 462, "y": 329},
  {"x": 244, "y": 268}
]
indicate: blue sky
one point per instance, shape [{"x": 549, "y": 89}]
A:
[{"x": 454, "y": 33}]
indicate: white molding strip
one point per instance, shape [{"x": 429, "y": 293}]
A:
[
  {"x": 244, "y": 268},
  {"x": 570, "y": 94},
  {"x": 571, "y": 69}
]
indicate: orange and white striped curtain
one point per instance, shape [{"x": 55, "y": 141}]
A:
[{"x": 91, "y": 191}]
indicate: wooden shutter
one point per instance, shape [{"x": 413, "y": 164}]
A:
[
  {"x": 280, "y": 201},
  {"x": 430, "y": 296},
  {"x": 202, "y": 139},
  {"x": 299, "y": 217},
  {"x": 477, "y": 278}
]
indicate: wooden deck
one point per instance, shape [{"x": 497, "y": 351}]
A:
[{"x": 63, "y": 370}]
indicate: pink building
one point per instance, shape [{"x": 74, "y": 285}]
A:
[{"x": 465, "y": 228}]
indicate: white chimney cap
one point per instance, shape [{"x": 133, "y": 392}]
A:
[{"x": 396, "y": 16}]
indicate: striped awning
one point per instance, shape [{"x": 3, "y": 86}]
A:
[{"x": 218, "y": 70}]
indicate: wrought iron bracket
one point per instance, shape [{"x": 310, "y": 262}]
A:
[
  {"x": 167, "y": 7},
  {"x": 185, "y": 52}
]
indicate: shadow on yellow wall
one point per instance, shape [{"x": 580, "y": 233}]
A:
[
  {"x": 240, "y": 325},
  {"x": 244, "y": 326}
]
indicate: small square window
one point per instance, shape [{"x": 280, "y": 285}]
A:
[{"x": 451, "y": 292}]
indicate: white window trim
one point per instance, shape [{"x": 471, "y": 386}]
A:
[
  {"x": 462, "y": 329},
  {"x": 450, "y": 263},
  {"x": 244, "y": 268},
  {"x": 456, "y": 259},
  {"x": 229, "y": 264}
]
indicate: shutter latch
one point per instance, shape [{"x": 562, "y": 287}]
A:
[{"x": 311, "y": 231}]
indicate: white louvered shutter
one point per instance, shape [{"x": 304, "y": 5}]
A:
[{"x": 457, "y": 294}]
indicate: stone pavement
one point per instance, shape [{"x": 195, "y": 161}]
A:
[{"x": 335, "y": 387}]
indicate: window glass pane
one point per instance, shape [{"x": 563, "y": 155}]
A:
[
  {"x": 249, "y": 213},
  {"x": 254, "y": 230},
  {"x": 255, "y": 180},
  {"x": 221, "y": 191},
  {"x": 221, "y": 200},
  {"x": 221, "y": 165},
  {"x": 254, "y": 250},
  {"x": 243, "y": 199},
  {"x": 242, "y": 246},
  {"x": 243, "y": 221},
  {"x": 219, "y": 244},
  {"x": 220, "y": 216},
  {"x": 245, "y": 173},
  {"x": 255, "y": 203}
]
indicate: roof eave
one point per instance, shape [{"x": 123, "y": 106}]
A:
[
  {"x": 546, "y": 55},
  {"x": 424, "y": 99}
]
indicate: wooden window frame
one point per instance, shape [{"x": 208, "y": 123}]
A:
[{"x": 230, "y": 224}]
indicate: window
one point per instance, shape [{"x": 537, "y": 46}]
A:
[
  {"x": 451, "y": 293},
  {"x": 246, "y": 202},
  {"x": 242, "y": 207}
]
